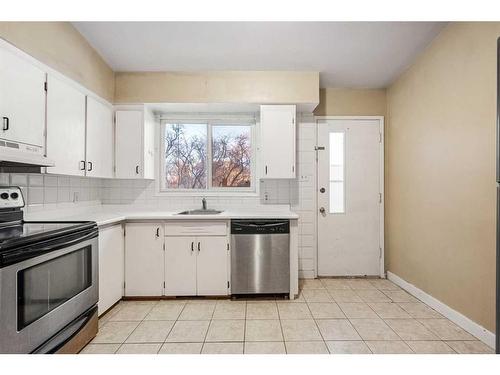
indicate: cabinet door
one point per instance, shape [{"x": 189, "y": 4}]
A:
[
  {"x": 22, "y": 100},
  {"x": 129, "y": 144},
  {"x": 65, "y": 128},
  {"x": 212, "y": 265},
  {"x": 149, "y": 146},
  {"x": 111, "y": 266},
  {"x": 100, "y": 143},
  {"x": 180, "y": 266},
  {"x": 144, "y": 259},
  {"x": 278, "y": 158}
]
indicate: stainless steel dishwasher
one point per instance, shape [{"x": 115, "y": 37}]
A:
[{"x": 260, "y": 256}]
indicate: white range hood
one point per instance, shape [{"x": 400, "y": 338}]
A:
[{"x": 22, "y": 154}]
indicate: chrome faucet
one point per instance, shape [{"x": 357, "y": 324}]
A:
[{"x": 204, "y": 204}]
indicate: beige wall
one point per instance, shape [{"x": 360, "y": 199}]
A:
[
  {"x": 217, "y": 87},
  {"x": 62, "y": 47},
  {"x": 351, "y": 102},
  {"x": 440, "y": 204}
]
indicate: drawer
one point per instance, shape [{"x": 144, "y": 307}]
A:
[{"x": 195, "y": 228}]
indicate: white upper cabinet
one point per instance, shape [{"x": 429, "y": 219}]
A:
[
  {"x": 22, "y": 100},
  {"x": 65, "y": 128},
  {"x": 134, "y": 144},
  {"x": 99, "y": 152},
  {"x": 277, "y": 141}
]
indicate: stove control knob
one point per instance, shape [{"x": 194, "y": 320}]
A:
[
  {"x": 14, "y": 195},
  {"x": 4, "y": 195}
]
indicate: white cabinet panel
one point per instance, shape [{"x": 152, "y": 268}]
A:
[
  {"x": 111, "y": 266},
  {"x": 134, "y": 144},
  {"x": 100, "y": 143},
  {"x": 212, "y": 266},
  {"x": 180, "y": 266},
  {"x": 277, "y": 141},
  {"x": 128, "y": 144},
  {"x": 22, "y": 100},
  {"x": 149, "y": 146},
  {"x": 65, "y": 128},
  {"x": 144, "y": 259}
]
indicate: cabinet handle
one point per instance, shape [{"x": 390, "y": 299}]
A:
[
  {"x": 136, "y": 169},
  {"x": 90, "y": 166},
  {"x": 199, "y": 247},
  {"x": 5, "y": 123},
  {"x": 82, "y": 165},
  {"x": 266, "y": 169},
  {"x": 192, "y": 246},
  {"x": 158, "y": 232}
]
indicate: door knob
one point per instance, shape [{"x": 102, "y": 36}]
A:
[{"x": 322, "y": 210}]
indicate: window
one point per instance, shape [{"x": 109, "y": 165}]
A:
[
  {"x": 337, "y": 186},
  {"x": 213, "y": 156}
]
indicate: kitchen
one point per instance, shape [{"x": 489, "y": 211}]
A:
[{"x": 157, "y": 201}]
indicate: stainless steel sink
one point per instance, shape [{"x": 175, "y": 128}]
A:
[{"x": 200, "y": 212}]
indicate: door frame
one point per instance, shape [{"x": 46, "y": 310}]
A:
[{"x": 381, "y": 184}]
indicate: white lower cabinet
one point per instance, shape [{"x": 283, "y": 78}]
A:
[
  {"x": 196, "y": 258},
  {"x": 180, "y": 266},
  {"x": 212, "y": 263},
  {"x": 144, "y": 259},
  {"x": 196, "y": 266},
  {"x": 169, "y": 260},
  {"x": 111, "y": 266}
]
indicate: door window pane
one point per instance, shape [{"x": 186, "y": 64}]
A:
[
  {"x": 337, "y": 168},
  {"x": 45, "y": 286},
  {"x": 231, "y": 156},
  {"x": 186, "y": 156},
  {"x": 336, "y": 197}
]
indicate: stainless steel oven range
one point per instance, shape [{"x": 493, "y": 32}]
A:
[{"x": 48, "y": 281}]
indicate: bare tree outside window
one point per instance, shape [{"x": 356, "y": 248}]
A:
[
  {"x": 186, "y": 156},
  {"x": 231, "y": 156}
]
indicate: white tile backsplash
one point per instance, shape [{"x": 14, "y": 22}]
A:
[{"x": 44, "y": 191}]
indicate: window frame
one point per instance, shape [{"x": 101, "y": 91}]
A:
[{"x": 253, "y": 190}]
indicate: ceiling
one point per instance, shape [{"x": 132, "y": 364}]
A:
[{"x": 347, "y": 54}]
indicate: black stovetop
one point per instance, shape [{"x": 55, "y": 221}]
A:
[{"x": 20, "y": 233}]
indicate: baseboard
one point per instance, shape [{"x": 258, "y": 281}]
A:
[{"x": 459, "y": 319}]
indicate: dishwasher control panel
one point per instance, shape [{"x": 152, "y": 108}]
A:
[{"x": 260, "y": 226}]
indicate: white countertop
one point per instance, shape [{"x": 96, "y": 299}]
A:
[{"x": 111, "y": 214}]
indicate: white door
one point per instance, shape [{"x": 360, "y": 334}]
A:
[
  {"x": 277, "y": 141},
  {"x": 100, "y": 143},
  {"x": 180, "y": 266},
  {"x": 212, "y": 265},
  {"x": 111, "y": 266},
  {"x": 22, "y": 100},
  {"x": 129, "y": 144},
  {"x": 65, "y": 128},
  {"x": 349, "y": 197},
  {"x": 144, "y": 259}
]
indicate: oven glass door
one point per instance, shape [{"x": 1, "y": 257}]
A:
[{"x": 43, "y": 287}]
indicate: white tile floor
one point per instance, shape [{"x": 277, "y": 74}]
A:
[{"x": 337, "y": 316}]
